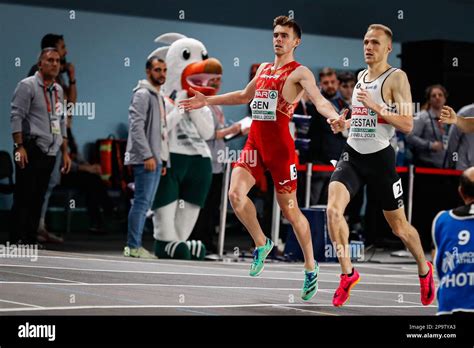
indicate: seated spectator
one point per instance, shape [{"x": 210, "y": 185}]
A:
[
  {"x": 453, "y": 233},
  {"x": 86, "y": 177},
  {"x": 460, "y": 151},
  {"x": 429, "y": 137}
]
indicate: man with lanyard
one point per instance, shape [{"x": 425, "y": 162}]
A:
[
  {"x": 275, "y": 90},
  {"x": 39, "y": 130},
  {"x": 453, "y": 236},
  {"x": 70, "y": 97},
  {"x": 381, "y": 102}
]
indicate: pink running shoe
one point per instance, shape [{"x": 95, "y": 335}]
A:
[
  {"x": 427, "y": 287},
  {"x": 342, "y": 294}
]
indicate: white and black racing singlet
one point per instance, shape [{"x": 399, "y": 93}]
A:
[{"x": 368, "y": 132}]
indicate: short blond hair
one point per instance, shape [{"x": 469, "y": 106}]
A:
[{"x": 382, "y": 27}]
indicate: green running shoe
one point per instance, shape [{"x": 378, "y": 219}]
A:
[
  {"x": 141, "y": 253},
  {"x": 259, "y": 256},
  {"x": 310, "y": 286}
]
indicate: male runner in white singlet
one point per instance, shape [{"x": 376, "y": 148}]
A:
[{"x": 381, "y": 103}]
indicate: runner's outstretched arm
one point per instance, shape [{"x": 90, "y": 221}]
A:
[
  {"x": 243, "y": 96},
  {"x": 308, "y": 82},
  {"x": 324, "y": 106}
]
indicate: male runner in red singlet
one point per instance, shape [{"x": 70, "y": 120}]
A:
[
  {"x": 381, "y": 103},
  {"x": 273, "y": 93}
]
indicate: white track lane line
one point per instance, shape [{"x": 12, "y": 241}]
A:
[
  {"x": 190, "y": 274},
  {"x": 21, "y": 303},
  {"x": 403, "y": 276},
  {"x": 201, "y": 306},
  {"x": 229, "y": 287},
  {"x": 225, "y": 268},
  {"x": 241, "y": 263},
  {"x": 198, "y": 286},
  {"x": 37, "y": 276},
  {"x": 307, "y": 310}
]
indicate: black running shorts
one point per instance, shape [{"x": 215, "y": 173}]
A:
[{"x": 378, "y": 169}]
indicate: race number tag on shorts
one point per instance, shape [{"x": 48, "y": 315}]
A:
[
  {"x": 264, "y": 105},
  {"x": 55, "y": 126},
  {"x": 363, "y": 123},
  {"x": 397, "y": 188}
]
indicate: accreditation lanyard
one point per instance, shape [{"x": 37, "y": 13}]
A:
[
  {"x": 55, "y": 127},
  {"x": 48, "y": 102},
  {"x": 442, "y": 130}
]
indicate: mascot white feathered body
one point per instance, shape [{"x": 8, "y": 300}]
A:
[{"x": 183, "y": 190}]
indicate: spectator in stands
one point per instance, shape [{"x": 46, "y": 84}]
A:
[
  {"x": 427, "y": 143},
  {"x": 66, "y": 68},
  {"x": 208, "y": 219},
  {"x": 325, "y": 145},
  {"x": 38, "y": 134},
  {"x": 453, "y": 236},
  {"x": 343, "y": 100},
  {"x": 86, "y": 177},
  {"x": 347, "y": 81},
  {"x": 429, "y": 137},
  {"x": 70, "y": 96},
  {"x": 460, "y": 151},
  {"x": 147, "y": 150}
]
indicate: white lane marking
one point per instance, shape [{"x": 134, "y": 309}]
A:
[
  {"x": 190, "y": 274},
  {"x": 307, "y": 311},
  {"x": 202, "y": 306},
  {"x": 198, "y": 286},
  {"x": 21, "y": 303},
  {"x": 240, "y": 263},
  {"x": 414, "y": 303},
  {"x": 372, "y": 291},
  {"x": 37, "y": 276},
  {"x": 403, "y": 276}
]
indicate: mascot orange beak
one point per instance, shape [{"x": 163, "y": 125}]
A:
[{"x": 197, "y": 76}]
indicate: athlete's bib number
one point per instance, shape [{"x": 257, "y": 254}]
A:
[
  {"x": 264, "y": 105},
  {"x": 363, "y": 123}
]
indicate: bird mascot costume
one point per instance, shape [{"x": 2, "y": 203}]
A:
[{"x": 183, "y": 190}]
